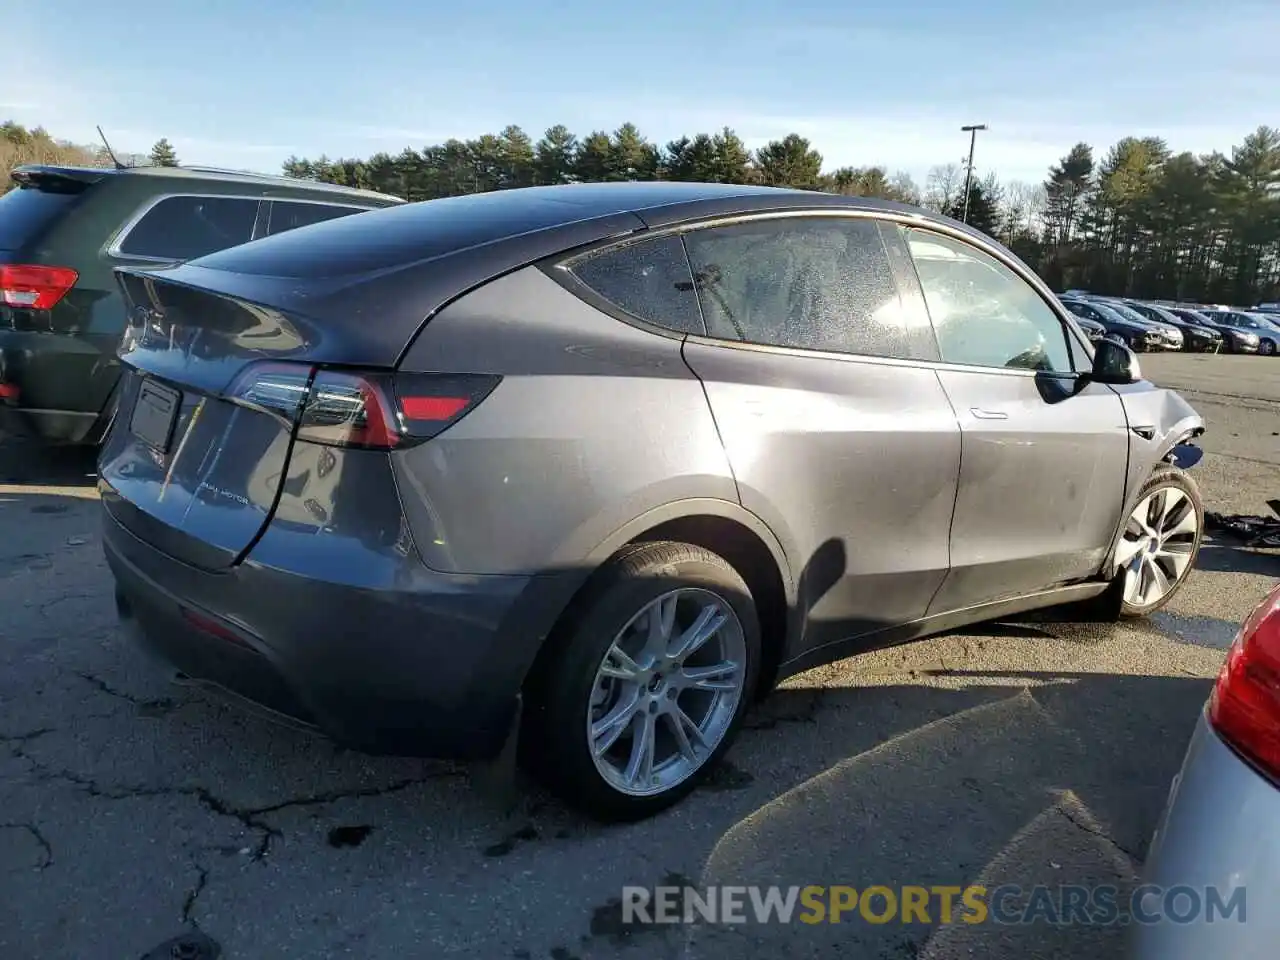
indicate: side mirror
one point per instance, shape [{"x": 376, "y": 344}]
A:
[{"x": 1114, "y": 363}]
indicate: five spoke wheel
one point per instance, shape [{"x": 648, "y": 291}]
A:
[
  {"x": 666, "y": 691},
  {"x": 1157, "y": 546}
]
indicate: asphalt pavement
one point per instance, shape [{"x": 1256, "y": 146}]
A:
[{"x": 134, "y": 810}]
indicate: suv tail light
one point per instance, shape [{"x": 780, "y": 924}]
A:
[
  {"x": 1245, "y": 705},
  {"x": 373, "y": 410},
  {"x": 34, "y": 287}
]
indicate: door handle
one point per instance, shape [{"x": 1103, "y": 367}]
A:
[{"x": 981, "y": 414}]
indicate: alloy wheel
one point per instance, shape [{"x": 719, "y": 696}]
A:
[
  {"x": 666, "y": 692},
  {"x": 1157, "y": 545}
]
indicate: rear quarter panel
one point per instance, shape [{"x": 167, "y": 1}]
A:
[{"x": 594, "y": 424}]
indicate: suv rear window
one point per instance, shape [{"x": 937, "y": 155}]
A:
[
  {"x": 291, "y": 214},
  {"x": 180, "y": 228},
  {"x": 26, "y": 211}
]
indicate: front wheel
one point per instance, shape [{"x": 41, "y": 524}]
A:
[
  {"x": 1159, "y": 543},
  {"x": 645, "y": 684},
  {"x": 1267, "y": 348}
]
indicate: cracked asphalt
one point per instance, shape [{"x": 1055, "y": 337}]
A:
[{"x": 134, "y": 810}]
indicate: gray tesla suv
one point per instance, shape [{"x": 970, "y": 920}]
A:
[{"x": 592, "y": 466}]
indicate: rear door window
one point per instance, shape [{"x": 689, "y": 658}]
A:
[
  {"x": 649, "y": 280},
  {"x": 181, "y": 228},
  {"x": 290, "y": 214},
  {"x": 816, "y": 283},
  {"x": 26, "y": 212}
]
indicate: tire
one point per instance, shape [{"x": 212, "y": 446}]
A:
[
  {"x": 1113, "y": 604},
  {"x": 1176, "y": 482},
  {"x": 567, "y": 692},
  {"x": 1267, "y": 348}
]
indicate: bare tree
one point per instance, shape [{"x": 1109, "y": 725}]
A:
[
  {"x": 904, "y": 188},
  {"x": 944, "y": 184}
]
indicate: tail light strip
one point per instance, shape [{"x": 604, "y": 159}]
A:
[{"x": 373, "y": 410}]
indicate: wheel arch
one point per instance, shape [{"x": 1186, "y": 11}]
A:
[{"x": 723, "y": 527}]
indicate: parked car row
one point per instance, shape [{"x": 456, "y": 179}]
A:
[{"x": 1145, "y": 325}]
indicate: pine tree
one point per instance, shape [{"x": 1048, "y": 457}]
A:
[{"x": 163, "y": 155}]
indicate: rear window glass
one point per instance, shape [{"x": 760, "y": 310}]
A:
[
  {"x": 650, "y": 280},
  {"x": 395, "y": 236},
  {"x": 179, "y": 228},
  {"x": 289, "y": 215},
  {"x": 25, "y": 212}
]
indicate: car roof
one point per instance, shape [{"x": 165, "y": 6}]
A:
[{"x": 196, "y": 173}]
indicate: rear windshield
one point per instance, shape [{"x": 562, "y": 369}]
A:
[
  {"x": 25, "y": 212},
  {"x": 393, "y": 237}
]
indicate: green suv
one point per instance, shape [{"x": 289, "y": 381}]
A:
[{"x": 62, "y": 232}]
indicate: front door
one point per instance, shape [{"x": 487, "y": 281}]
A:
[{"x": 1044, "y": 452}]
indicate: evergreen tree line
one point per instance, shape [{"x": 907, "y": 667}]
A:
[{"x": 1140, "y": 221}]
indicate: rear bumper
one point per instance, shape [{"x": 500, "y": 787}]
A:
[
  {"x": 65, "y": 385},
  {"x": 1220, "y": 831},
  {"x": 53, "y": 426},
  {"x": 430, "y": 667}
]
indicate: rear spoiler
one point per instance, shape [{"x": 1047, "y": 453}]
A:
[{"x": 57, "y": 179}]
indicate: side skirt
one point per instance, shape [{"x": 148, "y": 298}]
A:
[{"x": 939, "y": 623}]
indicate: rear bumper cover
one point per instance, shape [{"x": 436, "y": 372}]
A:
[
  {"x": 53, "y": 426},
  {"x": 65, "y": 385},
  {"x": 433, "y": 668}
]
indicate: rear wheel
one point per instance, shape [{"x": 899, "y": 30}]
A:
[{"x": 644, "y": 686}]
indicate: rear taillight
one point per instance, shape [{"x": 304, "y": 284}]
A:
[
  {"x": 1245, "y": 705},
  {"x": 372, "y": 410},
  {"x": 34, "y": 287}
]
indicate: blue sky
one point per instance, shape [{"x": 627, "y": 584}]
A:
[{"x": 245, "y": 84}]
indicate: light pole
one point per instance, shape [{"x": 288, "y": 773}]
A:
[{"x": 972, "y": 130}]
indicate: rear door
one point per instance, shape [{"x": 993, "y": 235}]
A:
[
  {"x": 838, "y": 439},
  {"x": 1045, "y": 452}
]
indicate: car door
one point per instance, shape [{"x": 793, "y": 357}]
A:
[
  {"x": 1044, "y": 450},
  {"x": 838, "y": 438}
]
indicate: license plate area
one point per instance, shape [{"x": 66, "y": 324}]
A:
[{"x": 154, "y": 415}]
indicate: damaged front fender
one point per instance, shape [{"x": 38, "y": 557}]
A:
[{"x": 1161, "y": 426}]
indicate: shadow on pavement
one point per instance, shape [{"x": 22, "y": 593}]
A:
[
  {"x": 1223, "y": 556},
  {"x": 1015, "y": 778}
]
